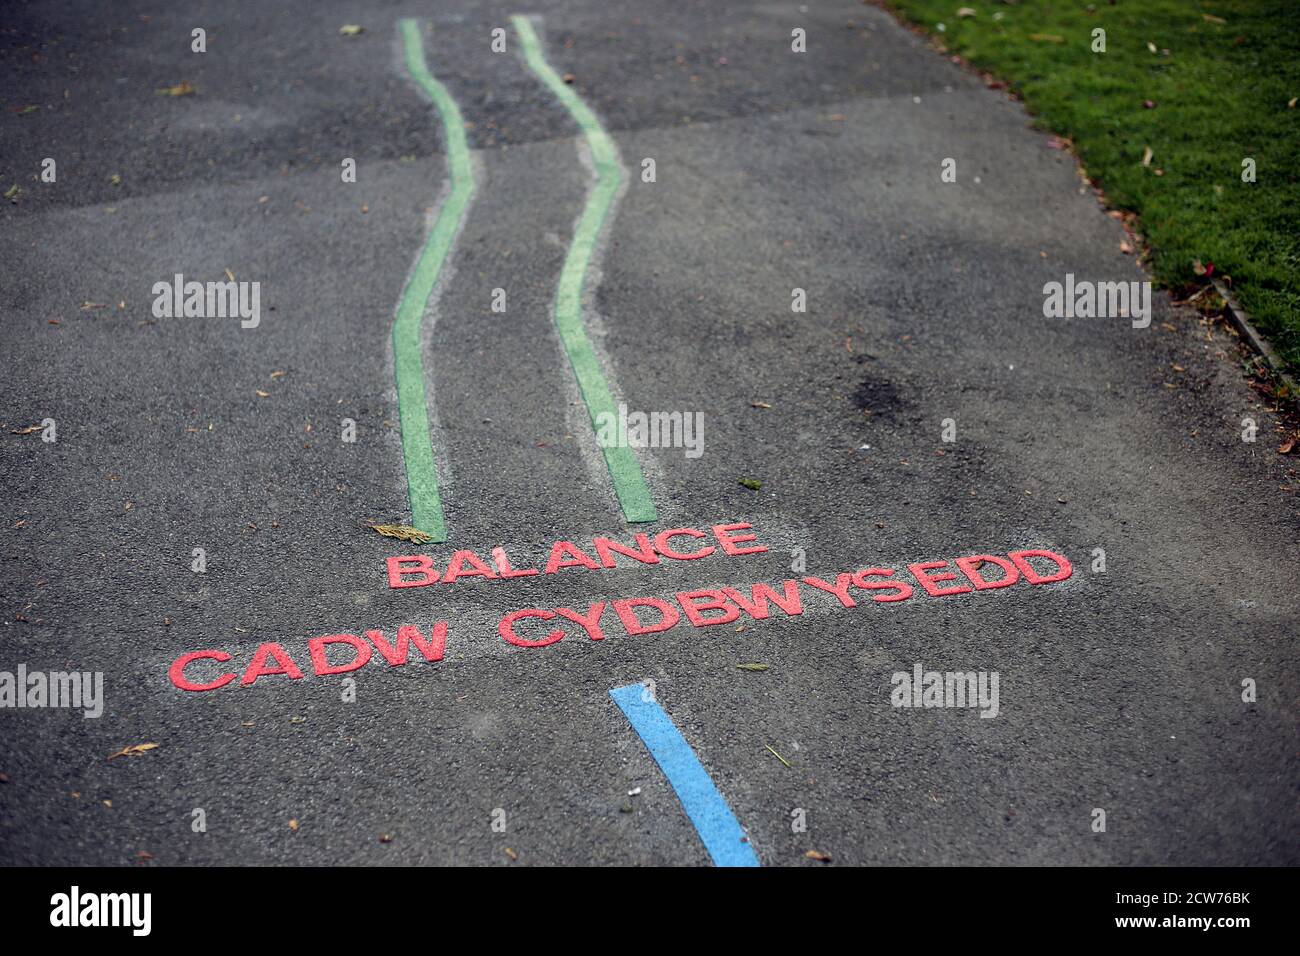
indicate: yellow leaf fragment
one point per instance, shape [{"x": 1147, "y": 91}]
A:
[
  {"x": 183, "y": 88},
  {"x": 134, "y": 750},
  {"x": 402, "y": 533}
]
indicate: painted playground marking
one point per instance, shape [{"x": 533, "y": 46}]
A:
[
  {"x": 624, "y": 471},
  {"x": 719, "y": 830},
  {"x": 408, "y": 367}
]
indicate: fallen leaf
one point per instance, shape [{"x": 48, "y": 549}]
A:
[
  {"x": 512, "y": 854},
  {"x": 277, "y": 373},
  {"x": 1290, "y": 104},
  {"x": 1152, "y": 47},
  {"x": 966, "y": 12},
  {"x": 351, "y": 29},
  {"x": 1286, "y": 447},
  {"x": 1211, "y": 18},
  {"x": 293, "y": 825},
  {"x": 569, "y": 78},
  {"x": 753, "y": 667},
  {"x": 753, "y": 484},
  {"x": 402, "y": 533},
  {"x": 385, "y": 838},
  {"x": 1125, "y": 248},
  {"x": 183, "y": 88},
  {"x": 820, "y": 857},
  {"x": 12, "y": 191},
  {"x": 26, "y": 431},
  {"x": 263, "y": 394},
  {"x": 134, "y": 750},
  {"x": 1146, "y": 156},
  {"x": 759, "y": 405},
  {"x": 108, "y": 803}
]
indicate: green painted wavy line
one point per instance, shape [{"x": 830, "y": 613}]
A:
[
  {"x": 408, "y": 366},
  {"x": 624, "y": 471}
]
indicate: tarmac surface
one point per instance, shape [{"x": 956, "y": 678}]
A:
[{"x": 1120, "y": 690}]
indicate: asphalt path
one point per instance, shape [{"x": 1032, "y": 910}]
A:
[{"x": 1120, "y": 690}]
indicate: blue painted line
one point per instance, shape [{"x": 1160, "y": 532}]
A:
[{"x": 717, "y": 826}]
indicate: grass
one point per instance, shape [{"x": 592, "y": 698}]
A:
[{"x": 1220, "y": 79}]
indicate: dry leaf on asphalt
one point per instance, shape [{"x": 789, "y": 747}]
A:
[
  {"x": 402, "y": 532},
  {"x": 351, "y": 29},
  {"x": 820, "y": 857},
  {"x": 135, "y": 750},
  {"x": 183, "y": 88}
]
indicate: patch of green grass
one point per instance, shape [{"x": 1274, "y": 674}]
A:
[{"x": 1220, "y": 96}]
